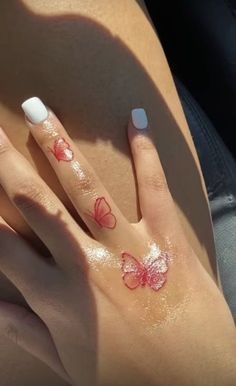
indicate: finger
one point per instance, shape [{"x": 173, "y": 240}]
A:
[
  {"x": 27, "y": 330},
  {"x": 154, "y": 196},
  {"x": 20, "y": 263},
  {"x": 40, "y": 207},
  {"x": 87, "y": 193}
]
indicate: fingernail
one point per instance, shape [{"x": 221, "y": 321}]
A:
[
  {"x": 35, "y": 110},
  {"x": 139, "y": 119}
]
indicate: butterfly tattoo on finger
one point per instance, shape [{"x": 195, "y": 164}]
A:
[
  {"x": 102, "y": 214},
  {"x": 62, "y": 150}
]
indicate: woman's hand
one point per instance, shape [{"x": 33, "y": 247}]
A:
[{"x": 120, "y": 303}]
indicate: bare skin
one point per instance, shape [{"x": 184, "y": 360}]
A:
[
  {"x": 91, "y": 70},
  {"x": 138, "y": 288}
]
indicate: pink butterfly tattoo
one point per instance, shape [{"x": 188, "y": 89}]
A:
[
  {"x": 152, "y": 273},
  {"x": 62, "y": 150},
  {"x": 102, "y": 214}
]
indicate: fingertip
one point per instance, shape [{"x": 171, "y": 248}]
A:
[
  {"x": 138, "y": 124},
  {"x": 35, "y": 110},
  {"x": 139, "y": 119}
]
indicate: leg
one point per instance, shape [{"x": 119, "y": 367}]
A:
[
  {"x": 219, "y": 170},
  {"x": 93, "y": 62}
]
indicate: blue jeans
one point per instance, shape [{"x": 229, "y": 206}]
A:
[{"x": 219, "y": 171}]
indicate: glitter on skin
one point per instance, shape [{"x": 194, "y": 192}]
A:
[
  {"x": 101, "y": 256},
  {"x": 166, "y": 310},
  {"x": 154, "y": 252},
  {"x": 97, "y": 254},
  {"x": 49, "y": 125},
  {"x": 173, "y": 314},
  {"x": 76, "y": 167}
]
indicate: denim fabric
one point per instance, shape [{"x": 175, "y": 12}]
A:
[{"x": 219, "y": 171}]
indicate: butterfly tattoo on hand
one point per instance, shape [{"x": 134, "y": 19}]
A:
[
  {"x": 102, "y": 214},
  {"x": 62, "y": 151},
  {"x": 152, "y": 273}
]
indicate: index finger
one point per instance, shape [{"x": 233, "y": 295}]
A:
[{"x": 87, "y": 193}]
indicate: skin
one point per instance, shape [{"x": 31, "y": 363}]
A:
[
  {"x": 89, "y": 291},
  {"x": 91, "y": 63}
]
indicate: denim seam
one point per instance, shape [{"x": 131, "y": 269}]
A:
[{"x": 208, "y": 138}]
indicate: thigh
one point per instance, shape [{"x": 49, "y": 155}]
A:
[{"x": 92, "y": 62}]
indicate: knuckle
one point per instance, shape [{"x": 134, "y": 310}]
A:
[
  {"x": 11, "y": 332},
  {"x": 155, "y": 183},
  {"x": 85, "y": 183},
  {"x": 143, "y": 144},
  {"x": 4, "y": 148},
  {"x": 13, "y": 329},
  {"x": 29, "y": 196}
]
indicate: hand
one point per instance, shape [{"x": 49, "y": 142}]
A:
[{"x": 120, "y": 303}]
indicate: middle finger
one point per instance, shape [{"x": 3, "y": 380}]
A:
[{"x": 40, "y": 207}]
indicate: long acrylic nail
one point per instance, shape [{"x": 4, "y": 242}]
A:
[
  {"x": 139, "y": 119},
  {"x": 35, "y": 110}
]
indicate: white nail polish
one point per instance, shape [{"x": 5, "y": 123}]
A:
[
  {"x": 139, "y": 119},
  {"x": 35, "y": 110}
]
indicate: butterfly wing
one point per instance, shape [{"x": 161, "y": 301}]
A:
[
  {"x": 131, "y": 280},
  {"x": 62, "y": 150},
  {"x": 102, "y": 207},
  {"x": 130, "y": 263},
  {"x": 132, "y": 271},
  {"x": 160, "y": 264},
  {"x": 108, "y": 221},
  {"x": 103, "y": 214},
  {"x": 156, "y": 281},
  {"x": 156, "y": 276}
]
